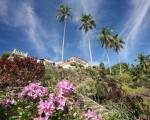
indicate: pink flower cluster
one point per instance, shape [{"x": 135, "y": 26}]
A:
[
  {"x": 56, "y": 100},
  {"x": 59, "y": 100},
  {"x": 91, "y": 115},
  {"x": 66, "y": 87},
  {"x": 9, "y": 101},
  {"x": 33, "y": 90},
  {"x": 46, "y": 107}
]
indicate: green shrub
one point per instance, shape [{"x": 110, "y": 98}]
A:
[
  {"x": 124, "y": 77},
  {"x": 87, "y": 88},
  {"x": 5, "y": 55},
  {"x": 101, "y": 91},
  {"x": 119, "y": 112},
  {"x": 135, "y": 105}
]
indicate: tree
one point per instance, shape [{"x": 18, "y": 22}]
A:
[
  {"x": 105, "y": 37},
  {"x": 63, "y": 13},
  {"x": 144, "y": 63},
  {"x": 141, "y": 71},
  {"x": 117, "y": 46},
  {"x": 6, "y": 55},
  {"x": 116, "y": 68},
  {"x": 102, "y": 70},
  {"x": 87, "y": 23}
]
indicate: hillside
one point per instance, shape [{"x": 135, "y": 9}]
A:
[{"x": 122, "y": 96}]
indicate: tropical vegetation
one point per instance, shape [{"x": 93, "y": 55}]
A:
[
  {"x": 119, "y": 92},
  {"x": 87, "y": 23},
  {"x": 63, "y": 13}
]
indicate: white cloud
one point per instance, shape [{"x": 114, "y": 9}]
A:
[
  {"x": 24, "y": 17},
  {"x": 79, "y": 7},
  {"x": 54, "y": 44},
  {"x": 3, "y": 9},
  {"x": 27, "y": 18},
  {"x": 133, "y": 26},
  {"x": 83, "y": 6}
]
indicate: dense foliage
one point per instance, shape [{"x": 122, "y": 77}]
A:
[
  {"x": 17, "y": 71},
  {"x": 125, "y": 95},
  {"x": 35, "y": 102}
]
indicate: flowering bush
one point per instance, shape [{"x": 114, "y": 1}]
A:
[
  {"x": 57, "y": 100},
  {"x": 46, "y": 108},
  {"x": 65, "y": 87},
  {"x": 34, "y": 102},
  {"x": 16, "y": 71},
  {"x": 7, "y": 102},
  {"x": 33, "y": 90}
]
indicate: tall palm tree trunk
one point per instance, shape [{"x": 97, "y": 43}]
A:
[
  {"x": 120, "y": 64},
  {"x": 108, "y": 61},
  {"x": 90, "y": 51},
  {"x": 64, "y": 33}
]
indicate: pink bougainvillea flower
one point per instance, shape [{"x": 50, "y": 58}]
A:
[
  {"x": 91, "y": 115},
  {"x": 41, "y": 118},
  {"x": 33, "y": 90},
  {"x": 59, "y": 100},
  {"x": 46, "y": 107},
  {"x": 66, "y": 87},
  {"x": 99, "y": 117},
  {"x": 9, "y": 101}
]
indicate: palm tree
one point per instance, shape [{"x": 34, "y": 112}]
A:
[
  {"x": 87, "y": 23},
  {"x": 63, "y": 13},
  {"x": 143, "y": 61},
  {"x": 141, "y": 58},
  {"x": 117, "y": 46},
  {"x": 105, "y": 36}
]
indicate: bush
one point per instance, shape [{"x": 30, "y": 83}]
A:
[
  {"x": 31, "y": 104},
  {"x": 87, "y": 88},
  {"x": 19, "y": 71},
  {"x": 119, "y": 112},
  {"x": 124, "y": 77},
  {"x": 135, "y": 105},
  {"x": 101, "y": 91},
  {"x": 5, "y": 55},
  {"x": 93, "y": 73},
  {"x": 129, "y": 108}
]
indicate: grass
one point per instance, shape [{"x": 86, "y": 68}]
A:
[
  {"x": 147, "y": 101},
  {"x": 134, "y": 91}
]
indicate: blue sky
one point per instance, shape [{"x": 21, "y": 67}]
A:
[{"x": 31, "y": 26}]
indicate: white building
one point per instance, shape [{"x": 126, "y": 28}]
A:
[
  {"x": 19, "y": 53},
  {"x": 70, "y": 63},
  {"x": 47, "y": 63}
]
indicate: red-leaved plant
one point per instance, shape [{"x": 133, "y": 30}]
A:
[{"x": 19, "y": 71}]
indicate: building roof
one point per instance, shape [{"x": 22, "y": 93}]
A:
[
  {"x": 20, "y": 53},
  {"x": 79, "y": 58},
  {"x": 70, "y": 62}
]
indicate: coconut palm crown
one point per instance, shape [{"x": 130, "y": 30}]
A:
[
  {"x": 117, "y": 43},
  {"x": 87, "y": 22},
  {"x": 63, "y": 13},
  {"x": 106, "y": 38}
]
